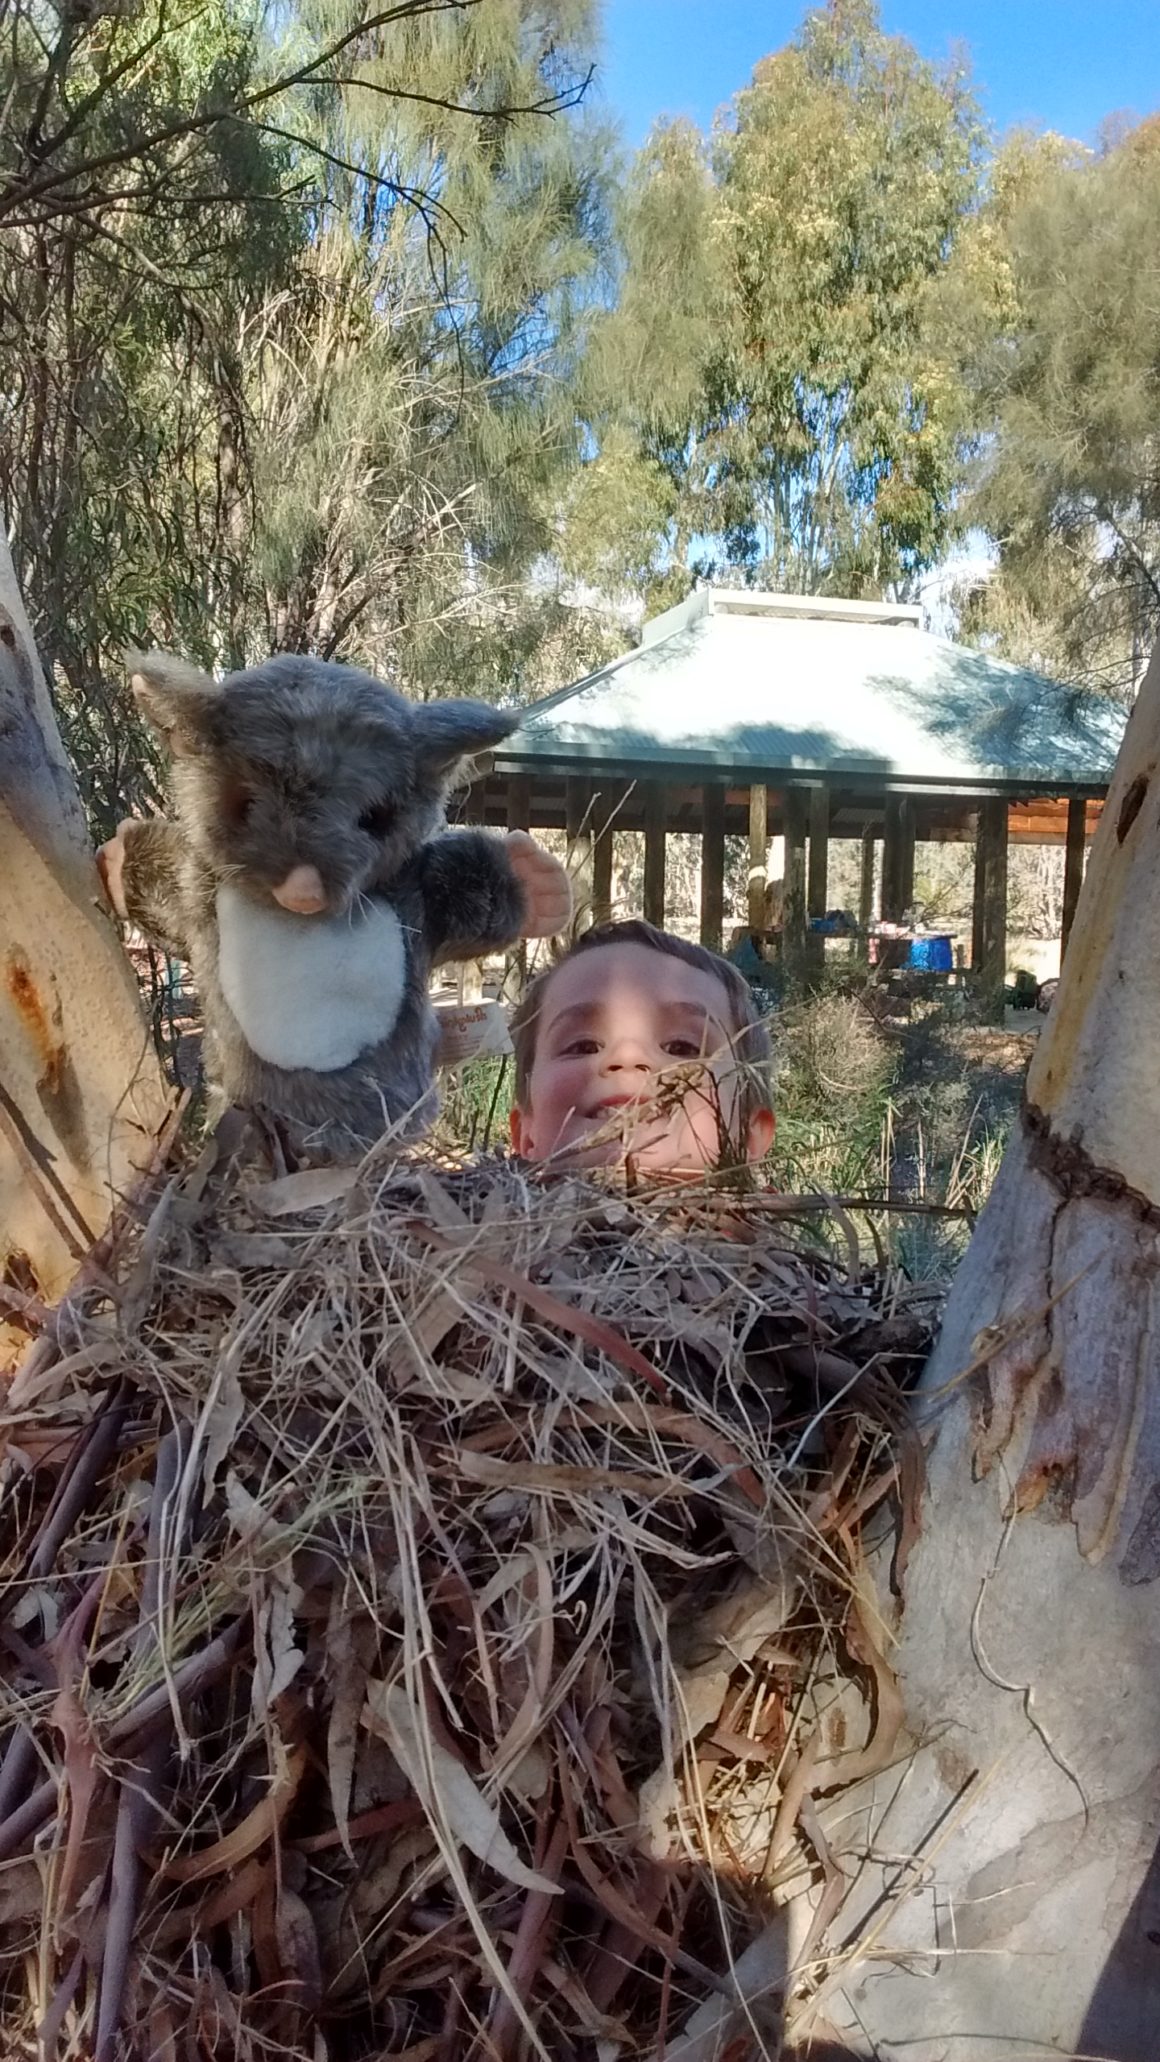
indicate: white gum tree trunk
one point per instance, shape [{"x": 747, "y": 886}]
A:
[
  {"x": 1013, "y": 1908},
  {"x": 81, "y": 1092}
]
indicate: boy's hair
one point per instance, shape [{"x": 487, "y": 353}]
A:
[{"x": 749, "y": 1037}]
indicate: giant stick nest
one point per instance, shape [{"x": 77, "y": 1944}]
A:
[{"x": 427, "y": 1593}]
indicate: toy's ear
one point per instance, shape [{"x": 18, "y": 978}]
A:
[
  {"x": 446, "y": 732},
  {"x": 176, "y": 698}
]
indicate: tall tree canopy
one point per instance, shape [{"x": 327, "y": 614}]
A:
[
  {"x": 307, "y": 292},
  {"x": 809, "y": 423},
  {"x": 1070, "y": 486}
]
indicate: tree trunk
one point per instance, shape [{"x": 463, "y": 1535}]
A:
[
  {"x": 81, "y": 1091},
  {"x": 1012, "y": 1907}
]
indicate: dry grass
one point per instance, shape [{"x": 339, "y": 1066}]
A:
[{"x": 415, "y": 1587}]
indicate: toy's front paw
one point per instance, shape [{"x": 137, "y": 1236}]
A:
[
  {"x": 547, "y": 889},
  {"x": 111, "y": 867}
]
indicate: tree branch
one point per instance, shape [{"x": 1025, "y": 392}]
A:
[
  {"x": 22, "y": 193},
  {"x": 552, "y": 103}
]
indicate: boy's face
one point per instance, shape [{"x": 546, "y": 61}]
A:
[{"x": 612, "y": 1021}]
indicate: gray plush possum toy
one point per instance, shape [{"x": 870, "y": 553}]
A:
[{"x": 310, "y": 882}]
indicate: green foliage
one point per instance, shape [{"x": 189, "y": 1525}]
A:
[
  {"x": 476, "y": 1102},
  {"x": 429, "y": 443},
  {"x": 919, "y": 1113},
  {"x": 1071, "y": 487},
  {"x": 834, "y": 1079},
  {"x": 838, "y": 416},
  {"x": 308, "y": 290},
  {"x": 786, "y": 342},
  {"x": 122, "y": 291},
  {"x": 341, "y": 329}
]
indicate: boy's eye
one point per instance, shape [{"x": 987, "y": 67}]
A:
[
  {"x": 682, "y": 1049},
  {"x": 578, "y": 1048},
  {"x": 376, "y": 821}
]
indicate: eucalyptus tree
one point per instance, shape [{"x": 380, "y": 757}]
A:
[
  {"x": 786, "y": 345},
  {"x": 1070, "y": 388}
]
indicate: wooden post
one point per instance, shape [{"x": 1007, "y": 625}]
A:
[
  {"x": 796, "y": 813},
  {"x": 866, "y": 884},
  {"x": 990, "y": 958},
  {"x": 578, "y": 821},
  {"x": 519, "y": 818},
  {"x": 898, "y": 857},
  {"x": 905, "y": 853},
  {"x": 817, "y": 876},
  {"x": 654, "y": 853},
  {"x": 605, "y": 805},
  {"x": 712, "y": 865},
  {"x": 758, "y": 855},
  {"x": 819, "y": 864},
  {"x": 1072, "y": 867},
  {"x": 977, "y": 899},
  {"x": 891, "y": 906}
]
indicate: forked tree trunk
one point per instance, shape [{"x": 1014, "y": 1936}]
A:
[
  {"x": 81, "y": 1091},
  {"x": 1013, "y": 1906}
]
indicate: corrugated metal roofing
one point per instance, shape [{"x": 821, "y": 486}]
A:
[{"x": 745, "y": 684}]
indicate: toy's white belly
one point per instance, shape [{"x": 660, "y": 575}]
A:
[{"x": 310, "y": 991}]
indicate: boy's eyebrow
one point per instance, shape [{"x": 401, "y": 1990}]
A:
[
  {"x": 577, "y": 1013},
  {"x": 679, "y": 1007}
]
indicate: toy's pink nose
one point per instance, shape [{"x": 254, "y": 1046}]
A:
[{"x": 301, "y": 891}]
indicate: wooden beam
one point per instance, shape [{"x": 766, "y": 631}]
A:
[
  {"x": 758, "y": 855},
  {"x": 866, "y": 883},
  {"x": 1046, "y": 823},
  {"x": 1072, "y": 867},
  {"x": 655, "y": 800},
  {"x": 578, "y": 824},
  {"x": 796, "y": 818},
  {"x": 818, "y": 877},
  {"x": 989, "y": 958},
  {"x": 712, "y": 865}
]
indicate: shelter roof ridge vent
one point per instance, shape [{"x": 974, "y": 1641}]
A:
[{"x": 750, "y": 601}]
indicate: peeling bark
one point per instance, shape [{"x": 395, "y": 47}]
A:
[
  {"x": 1011, "y": 1902},
  {"x": 81, "y": 1093}
]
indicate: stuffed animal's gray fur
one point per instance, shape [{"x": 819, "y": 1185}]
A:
[{"x": 302, "y": 786}]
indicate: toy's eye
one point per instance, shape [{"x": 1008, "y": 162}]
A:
[
  {"x": 377, "y": 820},
  {"x": 237, "y": 803}
]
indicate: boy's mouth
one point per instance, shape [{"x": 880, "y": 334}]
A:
[{"x": 613, "y": 1102}]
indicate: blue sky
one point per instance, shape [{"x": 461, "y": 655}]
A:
[{"x": 1055, "y": 64}]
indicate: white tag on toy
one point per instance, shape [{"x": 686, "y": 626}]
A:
[{"x": 470, "y": 1031}]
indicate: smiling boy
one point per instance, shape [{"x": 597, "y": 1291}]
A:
[{"x": 640, "y": 1044}]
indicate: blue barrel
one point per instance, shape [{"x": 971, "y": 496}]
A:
[{"x": 931, "y": 955}]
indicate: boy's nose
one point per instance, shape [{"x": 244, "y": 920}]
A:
[{"x": 626, "y": 1058}]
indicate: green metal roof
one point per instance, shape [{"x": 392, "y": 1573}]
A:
[{"x": 736, "y": 684}]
